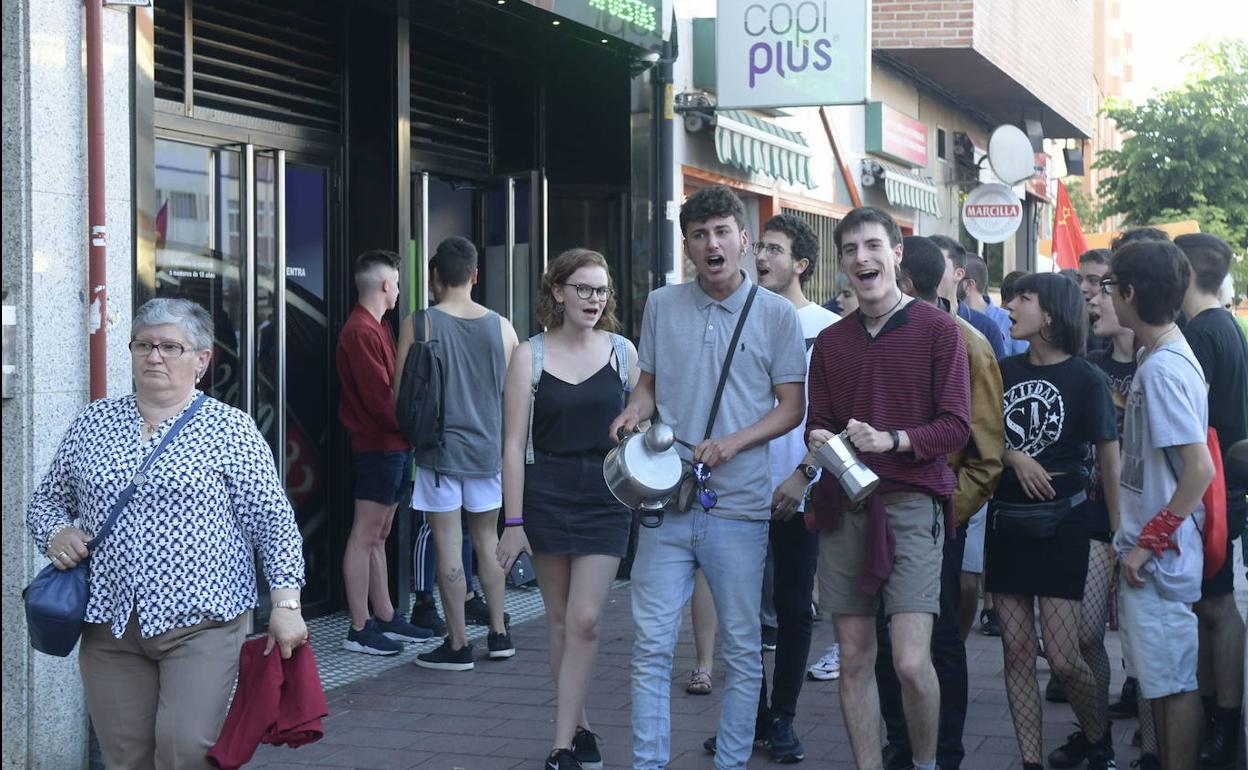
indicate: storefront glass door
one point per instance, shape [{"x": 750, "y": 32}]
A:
[{"x": 246, "y": 233}]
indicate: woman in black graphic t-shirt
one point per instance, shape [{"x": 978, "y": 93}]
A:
[{"x": 1057, "y": 406}]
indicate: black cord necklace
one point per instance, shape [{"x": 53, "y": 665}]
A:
[{"x": 886, "y": 312}]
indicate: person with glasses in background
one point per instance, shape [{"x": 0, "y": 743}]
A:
[
  {"x": 172, "y": 586},
  {"x": 687, "y": 330},
  {"x": 893, "y": 379},
  {"x": 563, "y": 387}
]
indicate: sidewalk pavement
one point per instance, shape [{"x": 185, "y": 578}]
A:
[{"x": 500, "y": 715}]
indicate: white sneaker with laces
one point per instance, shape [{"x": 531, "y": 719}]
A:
[{"x": 828, "y": 666}]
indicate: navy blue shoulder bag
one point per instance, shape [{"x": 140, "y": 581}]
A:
[{"x": 56, "y": 600}]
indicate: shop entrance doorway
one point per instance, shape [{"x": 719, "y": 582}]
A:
[
  {"x": 248, "y": 233},
  {"x": 505, "y": 217}
]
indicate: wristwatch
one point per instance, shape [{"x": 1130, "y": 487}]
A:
[
  {"x": 809, "y": 471},
  {"x": 288, "y": 604},
  {"x": 896, "y": 436}
]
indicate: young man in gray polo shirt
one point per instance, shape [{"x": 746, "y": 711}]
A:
[{"x": 685, "y": 335}]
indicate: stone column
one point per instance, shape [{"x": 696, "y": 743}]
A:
[{"x": 44, "y": 276}]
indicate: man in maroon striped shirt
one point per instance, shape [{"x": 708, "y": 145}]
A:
[{"x": 894, "y": 378}]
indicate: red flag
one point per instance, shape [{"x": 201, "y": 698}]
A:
[{"x": 1068, "y": 240}]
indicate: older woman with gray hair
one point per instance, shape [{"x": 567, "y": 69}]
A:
[{"x": 171, "y": 587}]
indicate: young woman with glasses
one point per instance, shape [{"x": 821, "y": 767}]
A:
[{"x": 558, "y": 506}]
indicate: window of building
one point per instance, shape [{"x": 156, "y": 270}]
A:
[{"x": 942, "y": 144}]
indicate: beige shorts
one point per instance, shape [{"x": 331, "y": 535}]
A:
[{"x": 917, "y": 521}]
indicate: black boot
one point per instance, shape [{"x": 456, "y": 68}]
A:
[
  {"x": 1222, "y": 740},
  {"x": 1128, "y": 703},
  {"x": 1053, "y": 691}
]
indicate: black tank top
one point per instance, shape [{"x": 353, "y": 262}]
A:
[{"x": 574, "y": 419}]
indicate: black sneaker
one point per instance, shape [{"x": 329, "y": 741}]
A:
[
  {"x": 425, "y": 614},
  {"x": 370, "y": 640},
  {"x": 500, "y": 646},
  {"x": 446, "y": 658},
  {"x": 1054, "y": 692},
  {"x": 562, "y": 759},
  {"x": 897, "y": 758},
  {"x": 783, "y": 742},
  {"x": 988, "y": 624},
  {"x": 769, "y": 638},
  {"x": 585, "y": 749},
  {"x": 1101, "y": 754},
  {"x": 1127, "y": 704},
  {"x": 1071, "y": 753},
  {"x": 711, "y": 745},
  {"x": 398, "y": 629},
  {"x": 476, "y": 613}
]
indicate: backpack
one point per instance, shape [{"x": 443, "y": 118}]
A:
[
  {"x": 537, "y": 346},
  {"x": 421, "y": 407},
  {"x": 1215, "y": 532}
]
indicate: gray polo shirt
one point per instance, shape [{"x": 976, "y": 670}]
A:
[{"x": 684, "y": 337}]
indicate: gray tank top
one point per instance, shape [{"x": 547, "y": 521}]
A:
[{"x": 475, "y": 368}]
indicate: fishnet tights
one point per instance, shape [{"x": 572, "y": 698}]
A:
[
  {"x": 1093, "y": 615},
  {"x": 1059, "y": 620}
]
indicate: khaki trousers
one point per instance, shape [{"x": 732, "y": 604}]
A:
[{"x": 159, "y": 702}]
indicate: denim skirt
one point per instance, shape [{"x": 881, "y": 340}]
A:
[{"x": 568, "y": 509}]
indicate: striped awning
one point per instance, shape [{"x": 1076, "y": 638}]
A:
[
  {"x": 760, "y": 146},
  {"x": 910, "y": 189}
]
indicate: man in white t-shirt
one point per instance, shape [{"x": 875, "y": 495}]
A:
[
  {"x": 1166, "y": 468},
  {"x": 785, "y": 258}
]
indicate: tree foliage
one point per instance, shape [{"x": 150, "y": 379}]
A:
[{"x": 1186, "y": 151}]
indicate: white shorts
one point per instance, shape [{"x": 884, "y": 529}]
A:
[
  {"x": 973, "y": 556},
  {"x": 1159, "y": 639},
  {"x": 434, "y": 493}
]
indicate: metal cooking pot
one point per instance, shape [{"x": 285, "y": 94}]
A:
[
  {"x": 837, "y": 457},
  {"x": 643, "y": 471}
]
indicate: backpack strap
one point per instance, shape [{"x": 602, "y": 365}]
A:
[
  {"x": 620, "y": 345},
  {"x": 537, "y": 348}
]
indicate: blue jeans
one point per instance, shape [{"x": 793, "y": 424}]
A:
[{"x": 731, "y": 554}]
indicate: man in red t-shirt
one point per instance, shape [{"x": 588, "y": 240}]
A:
[{"x": 380, "y": 457}]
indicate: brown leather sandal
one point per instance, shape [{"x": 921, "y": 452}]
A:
[{"x": 699, "y": 682}]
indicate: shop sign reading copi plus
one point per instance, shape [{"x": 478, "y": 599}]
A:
[
  {"x": 992, "y": 213},
  {"x": 792, "y": 53}
]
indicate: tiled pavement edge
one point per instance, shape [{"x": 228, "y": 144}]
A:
[{"x": 500, "y": 715}]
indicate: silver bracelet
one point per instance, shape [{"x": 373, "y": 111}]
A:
[{"x": 56, "y": 532}]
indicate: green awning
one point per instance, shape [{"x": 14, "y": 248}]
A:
[
  {"x": 760, "y": 146},
  {"x": 910, "y": 189}
]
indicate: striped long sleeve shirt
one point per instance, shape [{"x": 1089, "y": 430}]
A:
[{"x": 912, "y": 376}]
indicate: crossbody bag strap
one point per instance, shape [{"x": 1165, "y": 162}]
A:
[
  {"x": 538, "y": 350},
  {"x": 140, "y": 475},
  {"x": 723, "y": 372}
]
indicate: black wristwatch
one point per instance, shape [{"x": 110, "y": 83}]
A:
[
  {"x": 896, "y": 436},
  {"x": 809, "y": 471}
]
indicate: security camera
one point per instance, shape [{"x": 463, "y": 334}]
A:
[{"x": 693, "y": 122}]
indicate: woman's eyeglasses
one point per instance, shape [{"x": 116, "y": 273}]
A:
[
  {"x": 585, "y": 291},
  {"x": 1107, "y": 286},
  {"x": 143, "y": 348}
]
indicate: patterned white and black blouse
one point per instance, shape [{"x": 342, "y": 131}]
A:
[{"x": 182, "y": 551}]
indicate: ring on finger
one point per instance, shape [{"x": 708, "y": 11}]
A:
[{"x": 63, "y": 556}]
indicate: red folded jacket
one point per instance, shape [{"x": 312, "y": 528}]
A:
[{"x": 277, "y": 701}]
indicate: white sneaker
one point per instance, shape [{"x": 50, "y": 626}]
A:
[{"x": 828, "y": 666}]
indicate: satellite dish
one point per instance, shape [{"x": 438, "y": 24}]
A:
[{"x": 1010, "y": 154}]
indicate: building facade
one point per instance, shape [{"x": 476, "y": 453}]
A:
[{"x": 252, "y": 149}]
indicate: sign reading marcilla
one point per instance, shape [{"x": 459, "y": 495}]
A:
[
  {"x": 992, "y": 213},
  {"x": 792, "y": 54}
]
